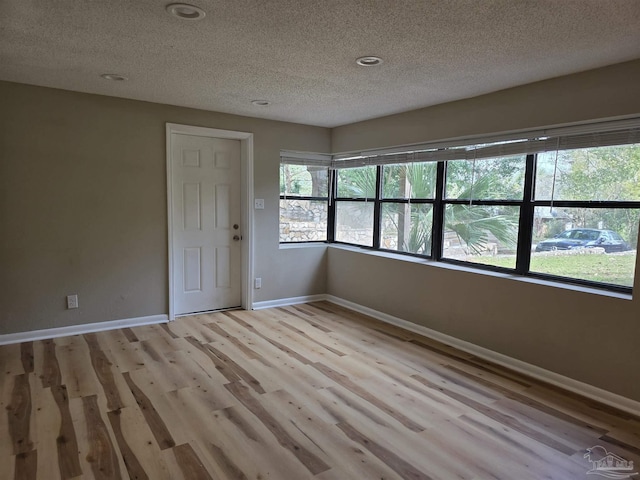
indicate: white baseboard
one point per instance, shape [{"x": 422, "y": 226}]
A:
[
  {"x": 566, "y": 383},
  {"x": 80, "y": 329},
  {"x": 283, "y": 302}
]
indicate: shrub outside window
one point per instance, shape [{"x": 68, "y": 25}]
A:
[
  {"x": 408, "y": 194},
  {"x": 354, "y": 204},
  {"x": 482, "y": 207}
]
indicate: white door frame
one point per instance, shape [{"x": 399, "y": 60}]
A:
[{"x": 246, "y": 221}]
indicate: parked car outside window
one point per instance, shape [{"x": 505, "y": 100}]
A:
[{"x": 576, "y": 238}]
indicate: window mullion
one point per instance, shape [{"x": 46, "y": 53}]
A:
[
  {"x": 523, "y": 256},
  {"x": 437, "y": 231},
  {"x": 377, "y": 214},
  {"x": 331, "y": 213}
]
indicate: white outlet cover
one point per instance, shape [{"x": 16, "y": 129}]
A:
[
  {"x": 259, "y": 203},
  {"x": 72, "y": 301}
]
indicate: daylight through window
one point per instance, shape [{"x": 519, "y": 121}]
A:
[{"x": 562, "y": 204}]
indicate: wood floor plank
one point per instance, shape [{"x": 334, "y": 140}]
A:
[
  {"x": 19, "y": 412},
  {"x": 297, "y": 312},
  {"x": 133, "y": 436},
  {"x": 370, "y": 397},
  {"x": 130, "y": 334},
  {"x": 273, "y": 327},
  {"x": 247, "y": 351},
  {"x": 51, "y": 375},
  {"x": 521, "y": 447},
  {"x": 226, "y": 464},
  {"x": 167, "y": 376},
  {"x": 160, "y": 341},
  {"x": 201, "y": 381},
  {"x": 197, "y": 328},
  {"x": 169, "y": 331},
  {"x": 354, "y": 404},
  {"x": 227, "y": 366},
  {"x": 26, "y": 465},
  {"x": 305, "y": 392},
  {"x": 155, "y": 421},
  {"x": 123, "y": 355},
  {"x": 190, "y": 464},
  {"x": 6, "y": 389},
  {"x": 249, "y": 379},
  {"x": 303, "y": 334},
  {"x": 395, "y": 462},
  {"x": 11, "y": 360},
  {"x": 204, "y": 434},
  {"x": 348, "y": 459},
  {"x": 6, "y": 447},
  {"x": 300, "y": 376},
  {"x": 77, "y": 371},
  {"x": 287, "y": 349},
  {"x": 66, "y": 441},
  {"x": 408, "y": 445},
  {"x": 7, "y": 467},
  {"x": 102, "y": 455},
  {"x": 135, "y": 470},
  {"x": 250, "y": 446},
  {"x": 484, "y": 455},
  {"x": 47, "y": 425},
  {"x": 225, "y": 370},
  {"x": 26, "y": 355},
  {"x": 102, "y": 367},
  {"x": 312, "y": 462}
]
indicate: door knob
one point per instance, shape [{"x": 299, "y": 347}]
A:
[{"x": 236, "y": 237}]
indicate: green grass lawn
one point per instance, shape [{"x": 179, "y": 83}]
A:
[{"x": 607, "y": 268}]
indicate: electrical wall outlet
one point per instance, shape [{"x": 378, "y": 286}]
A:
[
  {"x": 258, "y": 283},
  {"x": 72, "y": 301},
  {"x": 259, "y": 203}
]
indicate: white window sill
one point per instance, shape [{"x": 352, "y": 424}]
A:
[
  {"x": 287, "y": 246},
  {"x": 479, "y": 271}
]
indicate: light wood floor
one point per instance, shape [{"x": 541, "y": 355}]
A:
[{"x": 303, "y": 392}]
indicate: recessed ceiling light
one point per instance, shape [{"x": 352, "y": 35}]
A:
[
  {"x": 261, "y": 103},
  {"x": 185, "y": 11},
  {"x": 370, "y": 61},
  {"x": 114, "y": 77}
]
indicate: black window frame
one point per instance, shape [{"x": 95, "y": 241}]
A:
[
  {"x": 526, "y": 206},
  {"x": 521, "y": 235},
  {"x": 330, "y": 220},
  {"x": 402, "y": 201},
  {"x": 525, "y": 225},
  {"x": 375, "y": 244}
]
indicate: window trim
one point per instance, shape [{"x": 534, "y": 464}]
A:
[
  {"x": 312, "y": 162},
  {"x": 565, "y": 138}
]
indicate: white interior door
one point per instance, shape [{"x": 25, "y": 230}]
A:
[{"x": 206, "y": 234}]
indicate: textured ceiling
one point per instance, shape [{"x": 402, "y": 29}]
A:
[{"x": 300, "y": 54}]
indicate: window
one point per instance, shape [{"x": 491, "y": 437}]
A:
[
  {"x": 482, "y": 204},
  {"x": 586, "y": 212},
  {"x": 562, "y": 204},
  {"x": 304, "y": 203},
  {"x": 354, "y": 204},
  {"x": 408, "y": 194}
]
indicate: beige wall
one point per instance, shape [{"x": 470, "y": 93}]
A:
[
  {"x": 588, "y": 337},
  {"x": 83, "y": 206},
  {"x": 591, "y": 338},
  {"x": 606, "y": 92}
]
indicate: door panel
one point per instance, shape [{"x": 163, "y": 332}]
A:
[{"x": 205, "y": 205}]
